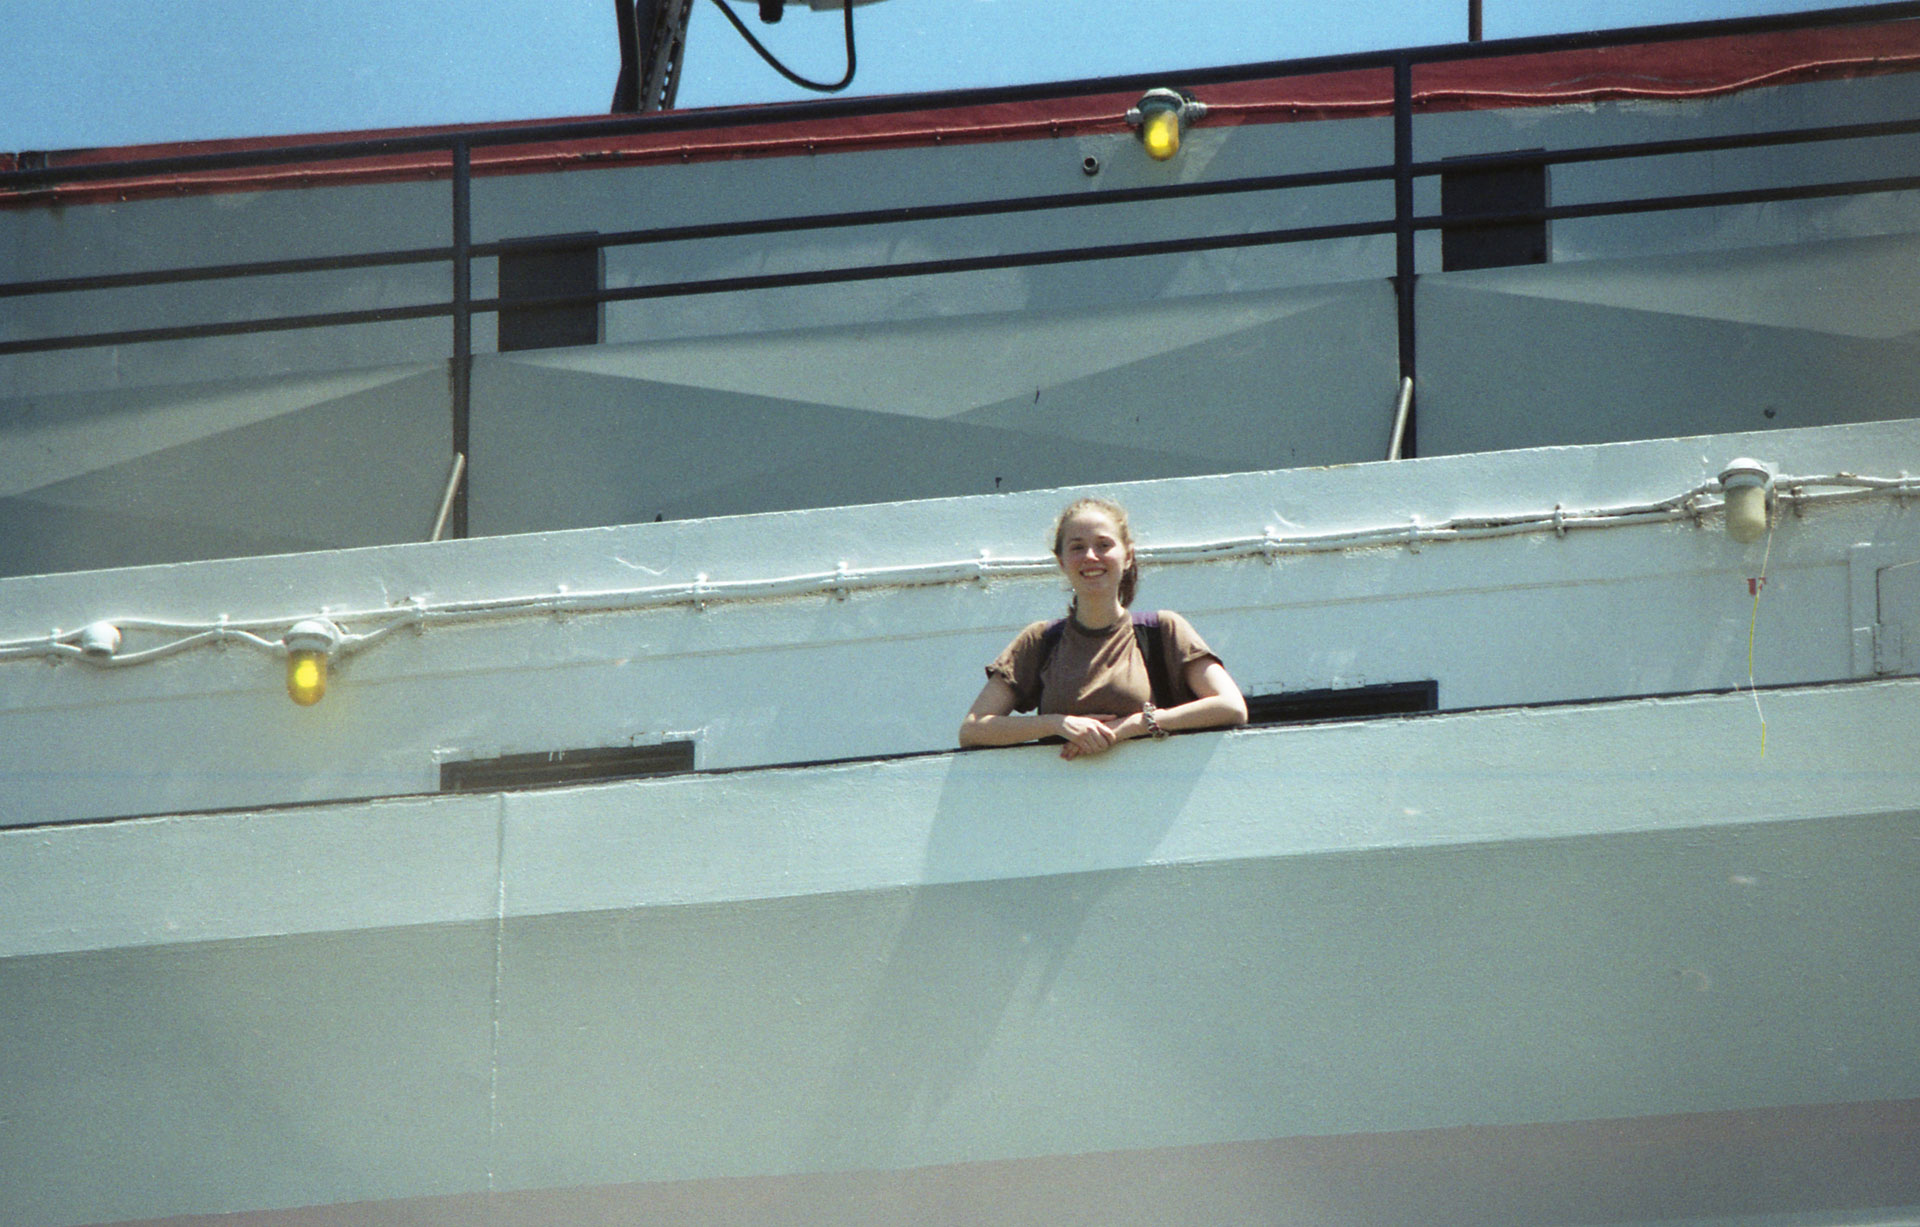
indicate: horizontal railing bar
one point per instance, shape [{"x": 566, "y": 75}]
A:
[
  {"x": 218, "y": 272},
  {"x": 715, "y": 286},
  {"x": 670, "y": 234},
  {"x": 945, "y": 212},
  {"x": 1655, "y": 149},
  {"x": 20, "y": 182},
  {"x": 963, "y": 264},
  {"x": 1359, "y": 174},
  {"x": 966, "y": 264},
  {"x": 17, "y": 181},
  {"x": 1188, "y": 245},
  {"x": 1661, "y": 204},
  {"x": 1669, "y": 32},
  {"x": 965, "y": 209},
  {"x": 183, "y": 332}
]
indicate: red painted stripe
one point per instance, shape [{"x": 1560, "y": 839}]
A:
[{"x": 1670, "y": 71}]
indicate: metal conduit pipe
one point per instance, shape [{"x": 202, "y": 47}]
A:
[{"x": 1694, "y": 503}]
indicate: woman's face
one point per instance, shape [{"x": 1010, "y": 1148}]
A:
[{"x": 1093, "y": 555}]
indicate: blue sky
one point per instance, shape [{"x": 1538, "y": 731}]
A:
[{"x": 83, "y": 73}]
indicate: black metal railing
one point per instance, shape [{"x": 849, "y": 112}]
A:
[{"x": 1402, "y": 172}]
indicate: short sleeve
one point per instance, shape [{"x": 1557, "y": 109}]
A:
[
  {"x": 1019, "y": 667},
  {"x": 1184, "y": 646}
]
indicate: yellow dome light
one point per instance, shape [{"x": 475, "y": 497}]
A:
[
  {"x": 306, "y": 677},
  {"x": 1161, "y": 117},
  {"x": 1160, "y": 133},
  {"x": 309, "y": 644}
]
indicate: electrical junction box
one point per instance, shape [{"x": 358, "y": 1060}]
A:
[{"x": 1886, "y": 609}]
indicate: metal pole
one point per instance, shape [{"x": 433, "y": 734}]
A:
[
  {"x": 1403, "y": 278},
  {"x": 1403, "y": 405},
  {"x": 454, "y": 475},
  {"x": 1473, "y": 21},
  {"x": 461, "y": 373}
]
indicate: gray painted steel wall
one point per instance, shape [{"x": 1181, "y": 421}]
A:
[
  {"x": 1640, "y": 609},
  {"x": 1111, "y": 371},
  {"x": 1598, "y": 912}
]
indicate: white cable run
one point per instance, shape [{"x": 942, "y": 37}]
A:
[{"x": 268, "y": 634}]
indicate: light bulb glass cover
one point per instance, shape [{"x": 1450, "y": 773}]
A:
[
  {"x": 1161, "y": 119},
  {"x": 1748, "y": 487},
  {"x": 1160, "y": 132},
  {"x": 306, "y": 677},
  {"x": 310, "y": 644}
]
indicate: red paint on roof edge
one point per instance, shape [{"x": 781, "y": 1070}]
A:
[{"x": 1674, "y": 71}]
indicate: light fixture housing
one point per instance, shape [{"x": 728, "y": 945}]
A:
[
  {"x": 309, "y": 644},
  {"x": 99, "y": 640},
  {"x": 1748, "y": 487},
  {"x": 1161, "y": 117}
]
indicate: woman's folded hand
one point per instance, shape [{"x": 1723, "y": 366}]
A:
[{"x": 1086, "y": 735}]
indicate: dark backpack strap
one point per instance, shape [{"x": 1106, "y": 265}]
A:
[
  {"x": 1049, "y": 640},
  {"x": 1151, "y": 636}
]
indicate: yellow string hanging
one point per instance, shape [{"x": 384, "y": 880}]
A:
[{"x": 1753, "y": 621}]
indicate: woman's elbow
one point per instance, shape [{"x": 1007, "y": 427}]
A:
[{"x": 1229, "y": 704}]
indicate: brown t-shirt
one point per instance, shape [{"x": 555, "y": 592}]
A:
[{"x": 1096, "y": 673}]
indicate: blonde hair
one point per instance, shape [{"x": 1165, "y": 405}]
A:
[{"x": 1130, "y": 578}]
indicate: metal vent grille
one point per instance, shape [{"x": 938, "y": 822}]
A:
[
  {"x": 545, "y": 273},
  {"x": 554, "y": 767},
  {"x": 1353, "y": 703},
  {"x": 1511, "y": 190}
]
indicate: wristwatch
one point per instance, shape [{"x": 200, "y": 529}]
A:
[{"x": 1153, "y": 725}]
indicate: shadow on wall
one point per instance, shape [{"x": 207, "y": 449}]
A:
[{"x": 982, "y": 946}]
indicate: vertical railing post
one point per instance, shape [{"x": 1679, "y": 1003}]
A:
[
  {"x": 460, "y": 374},
  {"x": 1403, "y": 277}
]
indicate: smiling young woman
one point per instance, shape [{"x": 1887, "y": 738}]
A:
[{"x": 1101, "y": 675}]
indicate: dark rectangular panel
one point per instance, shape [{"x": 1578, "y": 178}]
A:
[
  {"x": 1508, "y": 190},
  {"x": 1352, "y": 703},
  {"x": 551, "y": 767},
  {"x": 545, "y": 274}
]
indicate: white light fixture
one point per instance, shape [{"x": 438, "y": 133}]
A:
[
  {"x": 309, "y": 644},
  {"x": 1161, "y": 117},
  {"x": 1748, "y": 486},
  {"x": 100, "y": 640}
]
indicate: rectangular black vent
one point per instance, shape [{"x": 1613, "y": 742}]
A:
[
  {"x": 548, "y": 273},
  {"x": 1353, "y": 703},
  {"x": 546, "y": 769},
  {"x": 1508, "y": 190}
]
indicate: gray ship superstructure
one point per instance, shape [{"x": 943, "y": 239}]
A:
[{"x": 484, "y": 615}]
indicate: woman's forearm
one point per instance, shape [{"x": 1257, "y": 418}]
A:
[
  {"x": 1209, "y": 712},
  {"x": 1214, "y": 711},
  {"x": 992, "y": 730}
]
